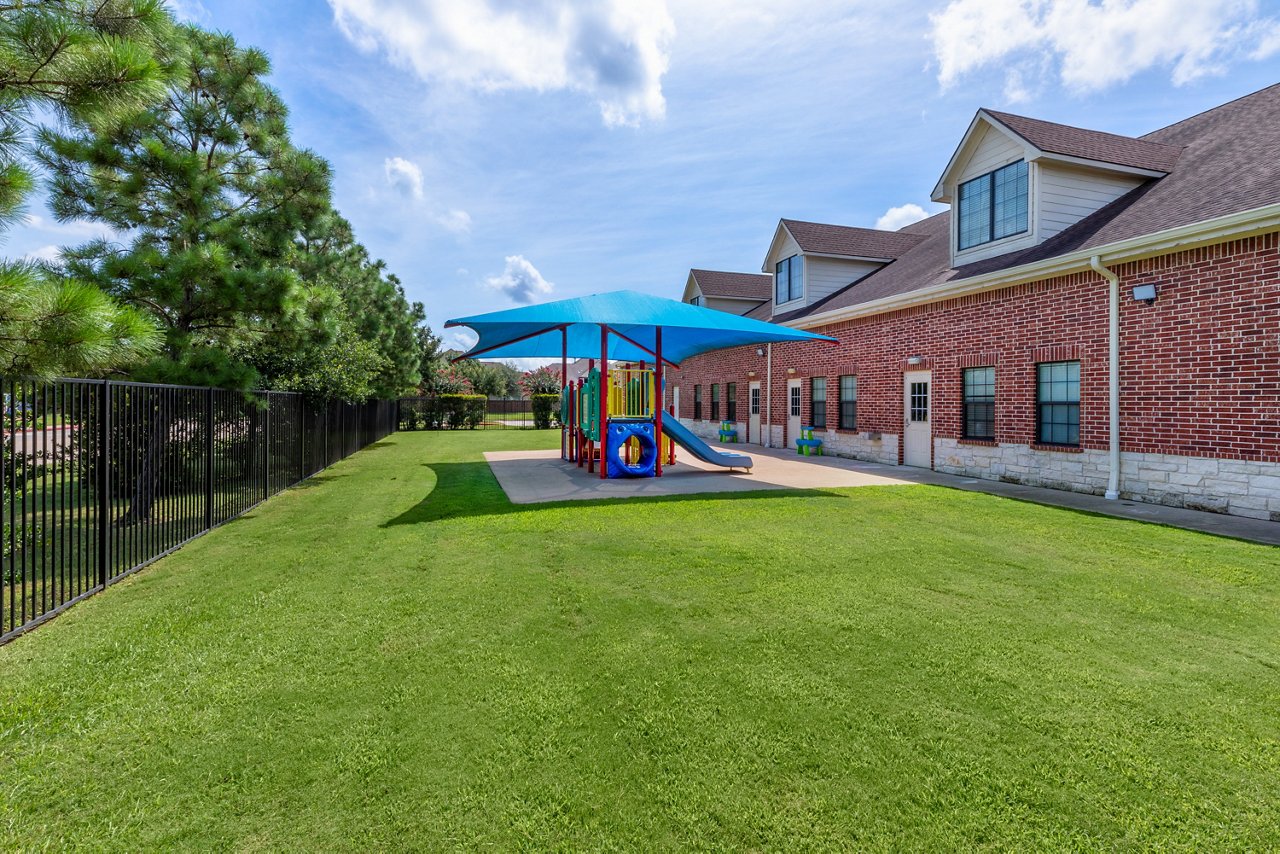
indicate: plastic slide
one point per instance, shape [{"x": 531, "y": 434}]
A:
[{"x": 681, "y": 435}]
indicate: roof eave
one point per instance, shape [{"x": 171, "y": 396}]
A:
[
  {"x": 1205, "y": 233},
  {"x": 1098, "y": 164}
]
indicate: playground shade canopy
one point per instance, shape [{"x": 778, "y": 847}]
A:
[{"x": 535, "y": 331}]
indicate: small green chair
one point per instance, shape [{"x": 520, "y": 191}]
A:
[{"x": 807, "y": 445}]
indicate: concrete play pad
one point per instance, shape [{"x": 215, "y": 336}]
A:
[{"x": 531, "y": 477}]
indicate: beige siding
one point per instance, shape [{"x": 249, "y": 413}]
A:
[
  {"x": 733, "y": 306},
  {"x": 825, "y": 276},
  {"x": 991, "y": 150},
  {"x": 1068, "y": 194}
]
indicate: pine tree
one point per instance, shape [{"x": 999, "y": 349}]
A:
[
  {"x": 92, "y": 62},
  {"x": 213, "y": 197}
]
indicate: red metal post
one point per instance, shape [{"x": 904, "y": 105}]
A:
[
  {"x": 604, "y": 397},
  {"x": 659, "y": 391}
]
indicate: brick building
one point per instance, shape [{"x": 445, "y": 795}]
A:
[{"x": 981, "y": 341}]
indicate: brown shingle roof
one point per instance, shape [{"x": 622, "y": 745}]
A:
[
  {"x": 1091, "y": 144},
  {"x": 715, "y": 283},
  {"x": 849, "y": 241},
  {"x": 1228, "y": 165}
]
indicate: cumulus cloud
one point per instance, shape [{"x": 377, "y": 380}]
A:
[
  {"x": 404, "y": 176},
  {"x": 614, "y": 51},
  {"x": 1093, "y": 45},
  {"x": 455, "y": 221},
  {"x": 521, "y": 281},
  {"x": 901, "y": 216}
]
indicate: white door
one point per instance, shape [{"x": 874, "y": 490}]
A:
[
  {"x": 917, "y": 435},
  {"x": 753, "y": 414},
  {"x": 675, "y": 400},
  {"x": 794, "y": 408}
]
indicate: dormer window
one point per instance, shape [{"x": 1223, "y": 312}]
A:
[
  {"x": 695, "y": 300},
  {"x": 993, "y": 206},
  {"x": 788, "y": 279}
]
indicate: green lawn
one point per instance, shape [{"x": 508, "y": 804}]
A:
[{"x": 392, "y": 656}]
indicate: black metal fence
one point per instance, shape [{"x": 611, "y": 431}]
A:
[
  {"x": 101, "y": 478},
  {"x": 462, "y": 413}
]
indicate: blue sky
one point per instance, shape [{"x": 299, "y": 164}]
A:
[{"x": 497, "y": 151}]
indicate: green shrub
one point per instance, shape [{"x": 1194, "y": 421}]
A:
[
  {"x": 462, "y": 410},
  {"x": 546, "y": 408}
]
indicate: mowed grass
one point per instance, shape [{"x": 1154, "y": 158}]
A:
[{"x": 394, "y": 657}]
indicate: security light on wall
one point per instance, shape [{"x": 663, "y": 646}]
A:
[
  {"x": 915, "y": 360},
  {"x": 759, "y": 351},
  {"x": 1146, "y": 293}
]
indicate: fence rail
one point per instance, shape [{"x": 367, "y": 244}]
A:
[{"x": 100, "y": 478}]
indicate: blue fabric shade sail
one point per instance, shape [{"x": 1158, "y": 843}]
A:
[{"x": 534, "y": 331}]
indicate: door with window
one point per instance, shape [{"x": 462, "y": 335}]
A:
[
  {"x": 917, "y": 440},
  {"x": 753, "y": 414},
  {"x": 794, "y": 408}
]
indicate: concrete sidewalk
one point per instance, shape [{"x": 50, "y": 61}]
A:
[{"x": 535, "y": 476}]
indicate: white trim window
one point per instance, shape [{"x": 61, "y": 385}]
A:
[
  {"x": 788, "y": 279},
  {"x": 993, "y": 206}
]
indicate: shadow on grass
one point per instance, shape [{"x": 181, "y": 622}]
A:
[{"x": 464, "y": 490}]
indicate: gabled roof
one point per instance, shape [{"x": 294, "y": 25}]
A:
[
  {"x": 1094, "y": 145},
  {"x": 747, "y": 286},
  {"x": 848, "y": 241},
  {"x": 1227, "y": 165}
]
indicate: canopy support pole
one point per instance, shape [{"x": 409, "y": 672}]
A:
[
  {"x": 660, "y": 391},
  {"x": 565, "y": 441},
  {"x": 604, "y": 398},
  {"x": 639, "y": 346}
]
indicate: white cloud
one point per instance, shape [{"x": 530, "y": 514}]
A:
[
  {"x": 190, "y": 10},
  {"x": 460, "y": 339},
  {"x": 455, "y": 222},
  {"x": 404, "y": 176},
  {"x": 49, "y": 254},
  {"x": 901, "y": 216},
  {"x": 615, "y": 51},
  {"x": 1093, "y": 45},
  {"x": 521, "y": 281}
]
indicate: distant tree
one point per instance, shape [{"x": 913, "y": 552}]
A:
[
  {"x": 431, "y": 358},
  {"x": 543, "y": 380},
  {"x": 210, "y": 197},
  {"x": 92, "y": 62}
]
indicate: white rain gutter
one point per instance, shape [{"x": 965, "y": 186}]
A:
[
  {"x": 768, "y": 396},
  {"x": 1113, "y": 374}
]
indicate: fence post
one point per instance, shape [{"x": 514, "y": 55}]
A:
[
  {"x": 266, "y": 449},
  {"x": 208, "y": 459},
  {"x": 104, "y": 481}
]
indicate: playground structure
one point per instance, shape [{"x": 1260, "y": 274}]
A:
[
  {"x": 612, "y": 421},
  {"x": 632, "y": 431}
]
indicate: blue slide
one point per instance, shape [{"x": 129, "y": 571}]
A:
[{"x": 681, "y": 435}]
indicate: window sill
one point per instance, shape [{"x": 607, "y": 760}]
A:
[
  {"x": 1066, "y": 449},
  {"x": 986, "y": 443}
]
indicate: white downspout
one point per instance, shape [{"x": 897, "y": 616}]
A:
[
  {"x": 1113, "y": 374},
  {"x": 768, "y": 396}
]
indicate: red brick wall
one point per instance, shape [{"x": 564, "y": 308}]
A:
[{"x": 1200, "y": 369}]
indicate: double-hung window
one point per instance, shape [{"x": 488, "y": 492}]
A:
[
  {"x": 697, "y": 403},
  {"x": 980, "y": 403},
  {"x": 993, "y": 206},
  {"x": 818, "y": 402},
  {"x": 848, "y": 403},
  {"x": 715, "y": 401},
  {"x": 731, "y": 401},
  {"x": 788, "y": 279},
  {"x": 1058, "y": 403}
]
